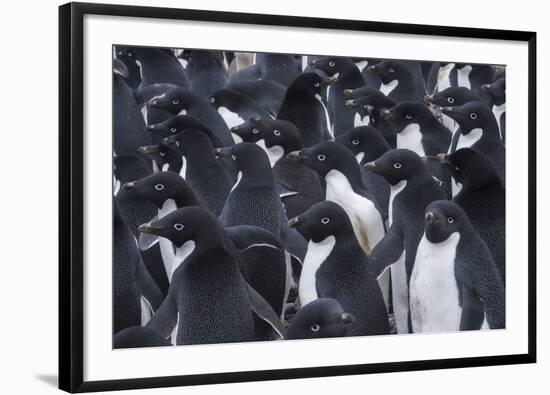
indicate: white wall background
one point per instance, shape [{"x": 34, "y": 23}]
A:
[{"x": 28, "y": 231}]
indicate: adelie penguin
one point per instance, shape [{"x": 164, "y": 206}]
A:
[
  {"x": 337, "y": 166},
  {"x": 412, "y": 189},
  {"x": 497, "y": 94},
  {"x": 347, "y": 76},
  {"x": 337, "y": 267},
  {"x": 207, "y": 72},
  {"x": 398, "y": 83},
  {"x": 482, "y": 196},
  {"x": 299, "y": 186},
  {"x": 303, "y": 106},
  {"x": 276, "y": 67},
  {"x": 479, "y": 131},
  {"x": 208, "y": 301},
  {"x": 236, "y": 108},
  {"x": 182, "y": 101},
  {"x": 322, "y": 318},
  {"x": 268, "y": 94},
  {"x": 473, "y": 76},
  {"x": 455, "y": 284},
  {"x": 180, "y": 123}
]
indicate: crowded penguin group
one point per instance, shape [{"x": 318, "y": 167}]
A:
[{"x": 270, "y": 197}]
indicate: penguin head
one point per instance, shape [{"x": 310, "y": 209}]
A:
[
  {"x": 224, "y": 98},
  {"x": 364, "y": 139},
  {"x": 397, "y": 165},
  {"x": 324, "y": 157},
  {"x": 251, "y": 130},
  {"x": 245, "y": 156},
  {"x": 189, "y": 139},
  {"x": 320, "y": 319},
  {"x": 185, "y": 224},
  {"x": 120, "y": 68},
  {"x": 282, "y": 133},
  {"x": 471, "y": 115},
  {"x": 443, "y": 218},
  {"x": 389, "y": 70},
  {"x": 160, "y": 153},
  {"x": 334, "y": 66},
  {"x": 311, "y": 83},
  {"x": 451, "y": 97},
  {"x": 175, "y": 124},
  {"x": 361, "y": 105},
  {"x": 406, "y": 113},
  {"x": 496, "y": 90},
  {"x": 157, "y": 188},
  {"x": 322, "y": 220},
  {"x": 363, "y": 91},
  {"x": 173, "y": 101},
  {"x": 371, "y": 103},
  {"x": 471, "y": 168}
]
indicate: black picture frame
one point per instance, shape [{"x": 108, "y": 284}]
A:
[{"x": 71, "y": 172}]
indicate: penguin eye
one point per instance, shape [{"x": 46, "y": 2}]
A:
[
  {"x": 234, "y": 157},
  {"x": 450, "y": 100},
  {"x": 255, "y": 131},
  {"x": 173, "y": 130},
  {"x": 331, "y": 64},
  {"x": 159, "y": 187},
  {"x": 176, "y": 101},
  {"x": 316, "y": 84},
  {"x": 212, "y": 100},
  {"x": 325, "y": 220},
  {"x": 473, "y": 115},
  {"x": 408, "y": 116},
  {"x": 321, "y": 157},
  {"x": 178, "y": 226},
  {"x": 162, "y": 153},
  {"x": 391, "y": 70},
  {"x": 129, "y": 54},
  {"x": 277, "y": 132},
  {"x": 315, "y": 327},
  {"x": 397, "y": 165},
  {"x": 450, "y": 220},
  {"x": 355, "y": 142}
]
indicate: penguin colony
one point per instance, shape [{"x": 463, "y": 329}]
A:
[{"x": 274, "y": 197}]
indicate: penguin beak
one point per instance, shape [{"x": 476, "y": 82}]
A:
[
  {"x": 443, "y": 158},
  {"x": 370, "y": 165},
  {"x": 371, "y": 69},
  {"x": 149, "y": 228},
  {"x": 152, "y": 128},
  {"x": 430, "y": 217},
  {"x": 428, "y": 99},
  {"x": 348, "y": 92},
  {"x": 129, "y": 186},
  {"x": 347, "y": 318},
  {"x": 293, "y": 222},
  {"x": 147, "y": 149},
  {"x": 171, "y": 143},
  {"x": 222, "y": 152},
  {"x": 485, "y": 87},
  {"x": 295, "y": 156}
]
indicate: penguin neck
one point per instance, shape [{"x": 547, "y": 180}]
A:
[
  {"x": 185, "y": 198},
  {"x": 349, "y": 78},
  {"x": 257, "y": 174},
  {"x": 352, "y": 172}
]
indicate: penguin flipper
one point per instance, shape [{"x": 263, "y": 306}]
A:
[
  {"x": 387, "y": 251},
  {"x": 149, "y": 288},
  {"x": 245, "y": 237},
  {"x": 283, "y": 191},
  {"x": 264, "y": 311},
  {"x": 473, "y": 313},
  {"x": 293, "y": 241},
  {"x": 165, "y": 318}
]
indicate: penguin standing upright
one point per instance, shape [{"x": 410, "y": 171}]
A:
[
  {"x": 412, "y": 189},
  {"x": 398, "y": 83},
  {"x": 207, "y": 72},
  {"x": 277, "y": 67},
  {"x": 442, "y": 75},
  {"x": 455, "y": 284},
  {"x": 473, "y": 76},
  {"x": 268, "y": 94},
  {"x": 483, "y": 198},
  {"x": 180, "y": 123},
  {"x": 336, "y": 267},
  {"x": 497, "y": 94},
  {"x": 304, "y": 107},
  {"x": 208, "y": 301},
  {"x": 347, "y": 76}
]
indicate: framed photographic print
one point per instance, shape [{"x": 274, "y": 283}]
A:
[{"x": 256, "y": 197}]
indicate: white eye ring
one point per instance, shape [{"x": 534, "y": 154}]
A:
[
  {"x": 397, "y": 165},
  {"x": 355, "y": 142},
  {"x": 315, "y": 327},
  {"x": 450, "y": 100},
  {"x": 277, "y": 132},
  {"x": 450, "y": 220},
  {"x": 316, "y": 84},
  {"x": 159, "y": 187},
  {"x": 331, "y": 64},
  {"x": 129, "y": 54},
  {"x": 178, "y": 226},
  {"x": 212, "y": 100},
  {"x": 321, "y": 157},
  {"x": 325, "y": 220},
  {"x": 234, "y": 157},
  {"x": 408, "y": 116},
  {"x": 391, "y": 70},
  {"x": 173, "y": 130},
  {"x": 255, "y": 131},
  {"x": 473, "y": 115},
  {"x": 162, "y": 153},
  {"x": 175, "y": 101}
]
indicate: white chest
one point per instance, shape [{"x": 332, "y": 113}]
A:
[
  {"x": 365, "y": 218},
  {"x": 411, "y": 138},
  {"x": 394, "y": 191},
  {"x": 231, "y": 119},
  {"x": 236, "y": 138},
  {"x": 386, "y": 89},
  {"x": 359, "y": 156},
  {"x": 316, "y": 254},
  {"x": 183, "y": 170},
  {"x": 463, "y": 76},
  {"x": 329, "y": 125},
  {"x": 360, "y": 121},
  {"x": 166, "y": 250},
  {"x": 274, "y": 153},
  {"x": 444, "y": 77},
  {"x": 498, "y": 111},
  {"x": 181, "y": 254},
  {"x": 362, "y": 64},
  {"x": 434, "y": 295},
  {"x": 468, "y": 140}
]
